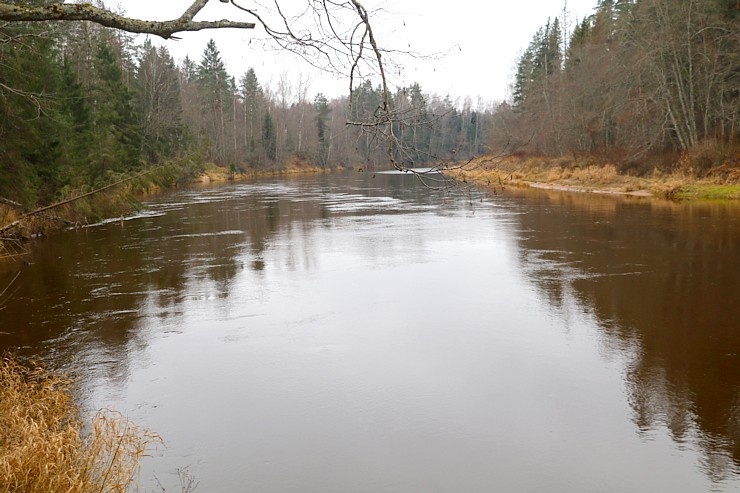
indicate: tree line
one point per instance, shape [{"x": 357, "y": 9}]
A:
[
  {"x": 635, "y": 79},
  {"x": 82, "y": 105}
]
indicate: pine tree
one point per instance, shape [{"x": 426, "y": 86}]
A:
[{"x": 213, "y": 83}]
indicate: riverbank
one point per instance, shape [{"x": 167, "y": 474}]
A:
[
  {"x": 213, "y": 173},
  {"x": 721, "y": 182},
  {"x": 44, "y": 440},
  {"x": 122, "y": 197}
]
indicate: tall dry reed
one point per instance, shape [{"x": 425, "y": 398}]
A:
[{"x": 43, "y": 448}]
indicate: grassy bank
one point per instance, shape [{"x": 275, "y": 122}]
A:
[
  {"x": 123, "y": 198},
  {"x": 45, "y": 448},
  {"x": 295, "y": 166},
  {"x": 721, "y": 182},
  {"x": 117, "y": 194}
]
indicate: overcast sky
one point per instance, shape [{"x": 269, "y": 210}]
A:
[{"x": 481, "y": 39}]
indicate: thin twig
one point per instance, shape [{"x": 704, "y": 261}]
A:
[{"x": 10, "y": 284}]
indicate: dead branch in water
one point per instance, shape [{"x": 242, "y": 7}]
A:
[{"x": 10, "y": 284}]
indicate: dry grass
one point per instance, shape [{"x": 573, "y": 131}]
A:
[
  {"x": 43, "y": 447},
  {"x": 540, "y": 171},
  {"x": 295, "y": 165},
  {"x": 583, "y": 174}
]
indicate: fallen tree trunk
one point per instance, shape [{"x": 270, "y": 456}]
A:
[{"x": 45, "y": 208}]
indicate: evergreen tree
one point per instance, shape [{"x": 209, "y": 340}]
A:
[
  {"x": 321, "y": 106},
  {"x": 541, "y": 60},
  {"x": 269, "y": 137},
  {"x": 189, "y": 69},
  {"x": 116, "y": 124},
  {"x": 365, "y": 101},
  {"x": 213, "y": 84},
  {"x": 553, "y": 55},
  {"x": 76, "y": 104},
  {"x": 79, "y": 129},
  {"x": 546, "y": 44},
  {"x": 523, "y": 77},
  {"x": 32, "y": 129},
  {"x": 578, "y": 41},
  {"x": 253, "y": 102}
]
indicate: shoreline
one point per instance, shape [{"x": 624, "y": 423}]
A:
[
  {"x": 219, "y": 174},
  {"x": 575, "y": 189},
  {"x": 583, "y": 176},
  {"x": 570, "y": 175},
  {"x": 21, "y": 227}
]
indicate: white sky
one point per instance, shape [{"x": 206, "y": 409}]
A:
[{"x": 482, "y": 40}]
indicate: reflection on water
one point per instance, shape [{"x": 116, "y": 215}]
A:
[
  {"x": 362, "y": 333},
  {"x": 661, "y": 279}
]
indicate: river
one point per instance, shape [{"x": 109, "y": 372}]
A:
[{"x": 361, "y": 332}]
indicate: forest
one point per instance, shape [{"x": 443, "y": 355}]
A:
[
  {"x": 82, "y": 106},
  {"x": 639, "y": 82},
  {"x": 642, "y": 83}
]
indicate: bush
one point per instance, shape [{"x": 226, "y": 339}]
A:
[{"x": 700, "y": 159}]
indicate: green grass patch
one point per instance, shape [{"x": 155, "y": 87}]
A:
[{"x": 707, "y": 192}]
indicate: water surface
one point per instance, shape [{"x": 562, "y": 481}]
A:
[{"x": 362, "y": 333}]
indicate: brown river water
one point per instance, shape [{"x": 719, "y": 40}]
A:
[{"x": 362, "y": 333}]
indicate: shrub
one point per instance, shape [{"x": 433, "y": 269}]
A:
[{"x": 700, "y": 159}]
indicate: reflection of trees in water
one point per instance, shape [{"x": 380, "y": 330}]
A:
[
  {"x": 91, "y": 295},
  {"x": 82, "y": 302},
  {"x": 662, "y": 281}
]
